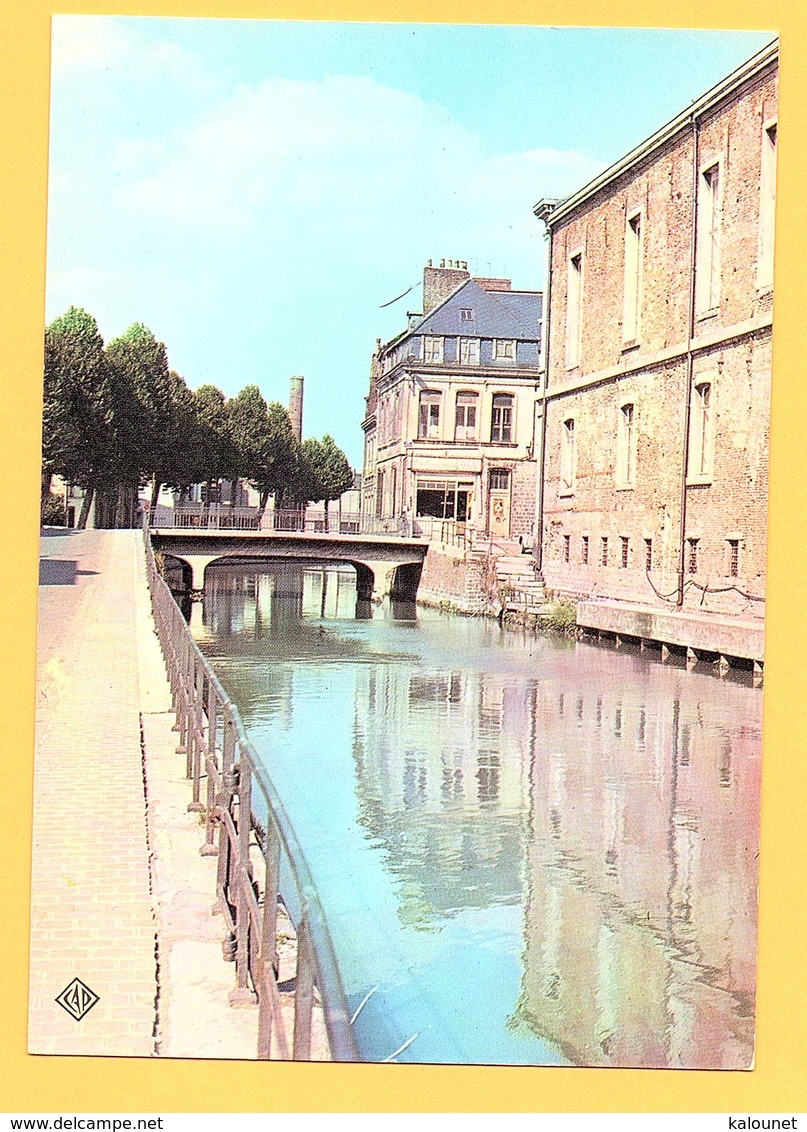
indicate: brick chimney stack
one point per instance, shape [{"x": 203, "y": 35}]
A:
[
  {"x": 296, "y": 406},
  {"x": 440, "y": 282}
]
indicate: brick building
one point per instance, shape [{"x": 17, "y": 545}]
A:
[
  {"x": 656, "y": 423},
  {"x": 451, "y": 413}
]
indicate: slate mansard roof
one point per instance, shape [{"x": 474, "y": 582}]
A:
[{"x": 496, "y": 314}]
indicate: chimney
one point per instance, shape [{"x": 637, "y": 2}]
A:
[
  {"x": 296, "y": 406},
  {"x": 440, "y": 282}
]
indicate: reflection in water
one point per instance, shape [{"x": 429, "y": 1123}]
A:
[{"x": 529, "y": 851}]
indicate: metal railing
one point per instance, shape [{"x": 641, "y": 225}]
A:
[
  {"x": 246, "y": 825},
  {"x": 311, "y": 520},
  {"x": 449, "y": 532},
  {"x": 199, "y": 516}
]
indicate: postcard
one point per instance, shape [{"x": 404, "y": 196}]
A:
[{"x": 404, "y": 549}]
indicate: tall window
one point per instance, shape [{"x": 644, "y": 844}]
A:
[
  {"x": 567, "y": 547},
  {"x": 379, "y": 495},
  {"x": 465, "y": 418},
  {"x": 433, "y": 350},
  {"x": 501, "y": 419},
  {"x": 469, "y": 352},
  {"x": 692, "y": 555},
  {"x": 648, "y": 554},
  {"x": 584, "y": 550},
  {"x": 429, "y": 415},
  {"x": 710, "y": 210},
  {"x": 767, "y": 207},
  {"x": 701, "y": 433},
  {"x": 733, "y": 557},
  {"x": 624, "y": 544},
  {"x": 574, "y": 311},
  {"x": 604, "y": 550},
  {"x": 568, "y": 457},
  {"x": 631, "y": 314},
  {"x": 626, "y": 446}
]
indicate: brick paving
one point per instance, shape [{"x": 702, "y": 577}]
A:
[
  {"x": 91, "y": 905},
  {"x": 120, "y": 897}
]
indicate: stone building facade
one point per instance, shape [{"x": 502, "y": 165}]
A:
[
  {"x": 656, "y": 423},
  {"x": 451, "y": 413}
]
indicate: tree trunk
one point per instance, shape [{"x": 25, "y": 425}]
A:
[
  {"x": 125, "y": 506},
  {"x": 86, "y": 504},
  {"x": 47, "y": 477},
  {"x": 155, "y": 494},
  {"x": 120, "y": 507}
]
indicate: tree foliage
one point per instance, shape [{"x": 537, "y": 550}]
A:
[
  {"x": 116, "y": 417},
  {"x": 325, "y": 473},
  {"x": 77, "y": 412}
]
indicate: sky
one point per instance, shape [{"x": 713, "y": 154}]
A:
[{"x": 256, "y": 192}]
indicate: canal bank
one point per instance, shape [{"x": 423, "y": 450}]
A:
[
  {"x": 120, "y": 897},
  {"x": 495, "y": 580}
]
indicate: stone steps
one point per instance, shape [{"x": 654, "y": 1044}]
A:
[{"x": 518, "y": 584}]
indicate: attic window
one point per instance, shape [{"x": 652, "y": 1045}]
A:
[
  {"x": 466, "y": 314},
  {"x": 504, "y": 349},
  {"x": 433, "y": 350}
]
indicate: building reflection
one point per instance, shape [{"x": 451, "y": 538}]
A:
[
  {"x": 640, "y": 911},
  {"x": 441, "y": 784},
  {"x": 241, "y": 598},
  {"x": 624, "y": 817}
]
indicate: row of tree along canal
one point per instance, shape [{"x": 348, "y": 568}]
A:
[{"x": 116, "y": 417}]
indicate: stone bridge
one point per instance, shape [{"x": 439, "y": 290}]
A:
[{"x": 385, "y": 565}]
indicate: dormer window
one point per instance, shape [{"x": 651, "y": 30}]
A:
[
  {"x": 469, "y": 351},
  {"x": 433, "y": 350},
  {"x": 504, "y": 349},
  {"x": 466, "y": 314}
]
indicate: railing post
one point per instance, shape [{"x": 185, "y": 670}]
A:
[
  {"x": 303, "y": 993},
  {"x": 187, "y": 709},
  {"x": 224, "y": 803},
  {"x": 268, "y": 957},
  {"x": 242, "y": 995},
  {"x": 196, "y": 733},
  {"x": 211, "y": 763}
]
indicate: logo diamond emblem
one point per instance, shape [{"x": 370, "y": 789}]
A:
[{"x": 77, "y": 999}]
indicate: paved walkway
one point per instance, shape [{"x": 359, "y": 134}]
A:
[{"x": 120, "y": 897}]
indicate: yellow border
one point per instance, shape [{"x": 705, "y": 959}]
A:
[{"x": 104, "y": 1085}]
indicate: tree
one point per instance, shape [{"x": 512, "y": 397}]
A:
[
  {"x": 326, "y": 472},
  {"x": 142, "y": 390},
  {"x": 179, "y": 466},
  {"x": 78, "y": 406},
  {"x": 248, "y": 426},
  {"x": 283, "y": 459},
  {"x": 215, "y": 457}
]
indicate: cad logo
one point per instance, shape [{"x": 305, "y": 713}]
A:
[{"x": 77, "y": 999}]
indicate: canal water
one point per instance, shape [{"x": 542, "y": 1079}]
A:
[{"x": 529, "y": 850}]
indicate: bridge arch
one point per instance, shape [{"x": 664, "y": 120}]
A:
[
  {"x": 385, "y": 566},
  {"x": 379, "y": 580}
]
